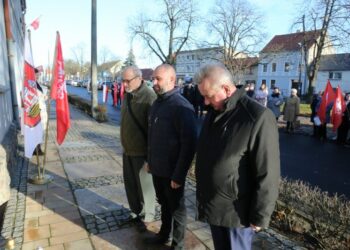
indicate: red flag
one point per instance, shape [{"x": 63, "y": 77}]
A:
[
  {"x": 59, "y": 93},
  {"x": 327, "y": 98},
  {"x": 338, "y": 109},
  {"x": 121, "y": 92},
  {"x": 35, "y": 23},
  {"x": 32, "y": 126},
  {"x": 115, "y": 96}
]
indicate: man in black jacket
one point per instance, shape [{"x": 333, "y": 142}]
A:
[
  {"x": 238, "y": 164},
  {"x": 171, "y": 146}
]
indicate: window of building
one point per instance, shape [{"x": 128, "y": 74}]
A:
[
  {"x": 192, "y": 57},
  {"x": 335, "y": 75},
  {"x": 274, "y": 67},
  {"x": 273, "y": 84},
  {"x": 286, "y": 67},
  {"x": 265, "y": 67},
  {"x": 263, "y": 81}
]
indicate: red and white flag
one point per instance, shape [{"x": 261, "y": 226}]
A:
[
  {"x": 327, "y": 98},
  {"x": 59, "y": 93},
  {"x": 105, "y": 93},
  {"x": 33, "y": 129},
  {"x": 35, "y": 23},
  {"x": 338, "y": 109}
]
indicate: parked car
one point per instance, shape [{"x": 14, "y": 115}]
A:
[
  {"x": 68, "y": 82},
  {"x": 74, "y": 83}
]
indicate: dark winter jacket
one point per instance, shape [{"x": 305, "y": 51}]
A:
[
  {"x": 132, "y": 139},
  {"x": 172, "y": 136},
  {"x": 238, "y": 164}
]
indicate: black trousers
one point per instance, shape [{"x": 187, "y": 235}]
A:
[{"x": 173, "y": 210}]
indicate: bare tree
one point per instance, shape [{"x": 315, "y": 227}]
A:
[
  {"x": 166, "y": 34},
  {"x": 236, "y": 28},
  {"x": 329, "y": 19},
  {"x": 71, "y": 67},
  {"x": 79, "y": 55}
]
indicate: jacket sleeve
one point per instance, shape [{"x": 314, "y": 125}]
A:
[
  {"x": 187, "y": 131},
  {"x": 264, "y": 146}
]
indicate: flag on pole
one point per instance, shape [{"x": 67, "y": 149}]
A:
[
  {"x": 35, "y": 23},
  {"x": 33, "y": 129},
  {"x": 338, "y": 109},
  {"x": 327, "y": 98},
  {"x": 105, "y": 93},
  {"x": 59, "y": 93},
  {"x": 121, "y": 92},
  {"x": 115, "y": 96}
]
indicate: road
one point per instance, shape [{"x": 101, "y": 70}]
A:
[{"x": 325, "y": 165}]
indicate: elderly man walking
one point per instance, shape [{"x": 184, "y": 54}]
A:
[
  {"x": 133, "y": 132},
  {"x": 172, "y": 139},
  {"x": 238, "y": 161}
]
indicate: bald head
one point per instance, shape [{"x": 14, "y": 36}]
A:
[{"x": 164, "y": 78}]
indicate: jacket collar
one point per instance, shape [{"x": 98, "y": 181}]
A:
[
  {"x": 168, "y": 94},
  {"x": 230, "y": 103},
  {"x": 139, "y": 91}
]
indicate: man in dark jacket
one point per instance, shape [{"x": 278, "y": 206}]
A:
[
  {"x": 238, "y": 164},
  {"x": 133, "y": 133},
  {"x": 171, "y": 147}
]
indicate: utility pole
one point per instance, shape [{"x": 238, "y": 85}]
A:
[{"x": 94, "y": 100}]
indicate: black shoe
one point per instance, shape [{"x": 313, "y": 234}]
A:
[
  {"x": 140, "y": 225},
  {"x": 157, "y": 239}
]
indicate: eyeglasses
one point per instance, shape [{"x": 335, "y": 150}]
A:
[{"x": 128, "y": 81}]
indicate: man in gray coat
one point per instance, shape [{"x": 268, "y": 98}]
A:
[
  {"x": 238, "y": 163},
  {"x": 133, "y": 132}
]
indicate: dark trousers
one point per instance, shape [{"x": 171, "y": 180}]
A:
[
  {"x": 342, "y": 132},
  {"x": 226, "y": 238},
  {"x": 290, "y": 126},
  {"x": 173, "y": 210}
]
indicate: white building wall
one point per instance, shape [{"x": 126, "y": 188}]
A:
[
  {"x": 282, "y": 79},
  {"x": 5, "y": 90},
  {"x": 344, "y": 83}
]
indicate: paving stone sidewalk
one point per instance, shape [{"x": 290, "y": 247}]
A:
[{"x": 85, "y": 205}]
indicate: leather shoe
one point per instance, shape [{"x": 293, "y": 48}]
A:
[
  {"x": 157, "y": 239},
  {"x": 140, "y": 226}
]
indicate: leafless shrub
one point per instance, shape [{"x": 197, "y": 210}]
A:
[{"x": 322, "y": 220}]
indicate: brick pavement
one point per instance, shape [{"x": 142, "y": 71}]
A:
[{"x": 85, "y": 205}]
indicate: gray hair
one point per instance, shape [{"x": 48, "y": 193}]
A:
[
  {"x": 137, "y": 72},
  {"x": 294, "y": 91},
  {"x": 216, "y": 72}
]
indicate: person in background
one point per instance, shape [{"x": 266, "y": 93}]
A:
[
  {"x": 171, "y": 147},
  {"x": 315, "y": 105},
  {"x": 291, "y": 110},
  {"x": 342, "y": 132},
  {"x": 275, "y": 101},
  {"x": 133, "y": 134},
  {"x": 250, "y": 89},
  {"x": 238, "y": 161},
  {"x": 261, "y": 95}
]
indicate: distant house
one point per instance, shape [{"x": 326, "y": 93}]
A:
[
  {"x": 282, "y": 61},
  {"x": 188, "y": 62},
  {"x": 336, "y": 68}
]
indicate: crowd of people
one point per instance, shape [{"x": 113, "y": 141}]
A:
[{"x": 237, "y": 155}]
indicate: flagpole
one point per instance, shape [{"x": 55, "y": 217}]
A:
[{"x": 49, "y": 103}]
